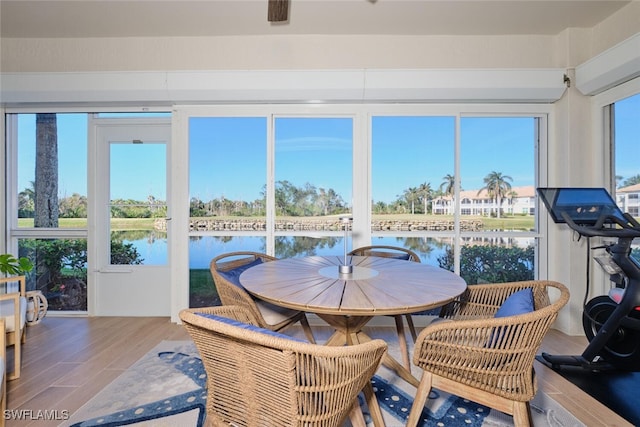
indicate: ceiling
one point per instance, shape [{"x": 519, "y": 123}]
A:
[{"x": 176, "y": 18}]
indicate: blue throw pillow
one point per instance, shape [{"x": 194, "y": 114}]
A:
[
  {"x": 233, "y": 275},
  {"x": 520, "y": 302},
  {"x": 248, "y": 326}
]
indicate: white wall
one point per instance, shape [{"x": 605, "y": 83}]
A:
[
  {"x": 618, "y": 27},
  {"x": 318, "y": 51},
  {"x": 276, "y": 52}
]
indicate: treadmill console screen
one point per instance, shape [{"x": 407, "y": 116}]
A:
[{"x": 584, "y": 206}]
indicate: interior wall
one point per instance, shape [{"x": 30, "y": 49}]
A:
[
  {"x": 277, "y": 52},
  {"x": 615, "y": 29}
]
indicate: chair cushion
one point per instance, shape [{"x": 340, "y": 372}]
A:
[
  {"x": 6, "y": 308},
  {"x": 274, "y": 314},
  {"x": 520, "y": 302},
  {"x": 233, "y": 275},
  {"x": 248, "y": 326}
]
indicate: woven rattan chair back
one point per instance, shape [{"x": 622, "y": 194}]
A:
[
  {"x": 229, "y": 293},
  {"x": 258, "y": 379},
  {"x": 234, "y": 294},
  {"x": 485, "y": 359},
  {"x": 385, "y": 251}
]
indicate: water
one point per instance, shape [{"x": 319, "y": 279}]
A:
[{"x": 202, "y": 249}]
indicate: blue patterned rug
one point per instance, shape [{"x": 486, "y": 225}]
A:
[
  {"x": 450, "y": 411},
  {"x": 167, "y": 388}
]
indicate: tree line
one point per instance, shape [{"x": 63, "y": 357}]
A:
[
  {"x": 416, "y": 200},
  {"x": 290, "y": 200},
  {"x": 75, "y": 206}
]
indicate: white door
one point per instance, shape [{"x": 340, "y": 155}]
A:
[{"x": 130, "y": 257}]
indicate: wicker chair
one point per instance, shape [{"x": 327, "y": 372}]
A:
[
  {"x": 226, "y": 269},
  {"x": 483, "y": 358},
  {"x": 256, "y": 377},
  {"x": 13, "y": 306},
  {"x": 401, "y": 253}
]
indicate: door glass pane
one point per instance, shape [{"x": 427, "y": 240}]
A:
[
  {"x": 313, "y": 173},
  {"x": 52, "y": 170},
  {"x": 412, "y": 177},
  {"x": 138, "y": 205}
]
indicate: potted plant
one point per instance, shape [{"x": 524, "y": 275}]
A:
[
  {"x": 36, "y": 302},
  {"x": 12, "y": 266}
]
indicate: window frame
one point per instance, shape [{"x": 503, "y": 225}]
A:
[{"x": 361, "y": 114}]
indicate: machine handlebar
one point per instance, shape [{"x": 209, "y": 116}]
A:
[{"x": 630, "y": 228}]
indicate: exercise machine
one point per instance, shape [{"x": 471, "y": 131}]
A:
[{"x": 611, "y": 322}]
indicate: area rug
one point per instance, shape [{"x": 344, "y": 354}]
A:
[{"x": 166, "y": 388}]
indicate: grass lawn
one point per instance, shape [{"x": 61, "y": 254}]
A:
[
  {"x": 116, "y": 223},
  {"x": 508, "y": 223},
  {"x": 202, "y": 291}
]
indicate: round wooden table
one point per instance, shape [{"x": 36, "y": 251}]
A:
[{"x": 377, "y": 286}]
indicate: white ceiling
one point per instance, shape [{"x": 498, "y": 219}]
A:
[{"x": 174, "y": 18}]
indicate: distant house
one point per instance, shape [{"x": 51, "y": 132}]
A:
[
  {"x": 519, "y": 201},
  {"x": 628, "y": 199}
]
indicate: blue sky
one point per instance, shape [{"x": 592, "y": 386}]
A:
[
  {"x": 627, "y": 117},
  {"x": 228, "y": 154}
]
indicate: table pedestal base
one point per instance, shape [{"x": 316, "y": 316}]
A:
[{"x": 349, "y": 332}]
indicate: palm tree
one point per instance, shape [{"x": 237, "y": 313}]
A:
[
  {"x": 46, "y": 184},
  {"x": 497, "y": 187},
  {"x": 424, "y": 193},
  {"x": 411, "y": 195},
  {"x": 448, "y": 187},
  {"x": 380, "y": 207},
  {"x": 26, "y": 201},
  {"x": 631, "y": 181}
]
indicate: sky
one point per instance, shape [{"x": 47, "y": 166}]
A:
[
  {"x": 227, "y": 156},
  {"x": 627, "y": 153}
]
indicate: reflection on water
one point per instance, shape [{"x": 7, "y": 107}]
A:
[
  {"x": 152, "y": 246},
  {"x": 203, "y": 248}
]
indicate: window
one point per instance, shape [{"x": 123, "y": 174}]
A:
[
  {"x": 415, "y": 189},
  {"x": 227, "y": 191},
  {"x": 627, "y": 152},
  {"x": 49, "y": 197},
  {"x": 497, "y": 167},
  {"x": 49, "y": 219},
  {"x": 52, "y": 168},
  {"x": 278, "y": 179},
  {"x": 626, "y": 157},
  {"x": 313, "y": 182},
  {"x": 413, "y": 183}
]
